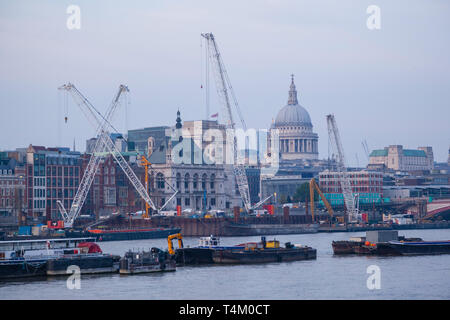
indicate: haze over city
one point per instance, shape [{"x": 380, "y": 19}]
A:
[{"x": 386, "y": 86}]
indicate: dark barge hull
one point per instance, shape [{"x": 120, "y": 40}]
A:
[
  {"x": 420, "y": 248},
  {"x": 345, "y": 247},
  {"x": 263, "y": 256},
  {"x": 167, "y": 266},
  {"x": 22, "y": 269},
  {"x": 87, "y": 264},
  {"x": 185, "y": 256}
]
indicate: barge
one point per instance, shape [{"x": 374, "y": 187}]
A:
[
  {"x": 90, "y": 260},
  {"x": 30, "y": 258},
  {"x": 203, "y": 253},
  {"x": 154, "y": 260},
  {"x": 263, "y": 252}
]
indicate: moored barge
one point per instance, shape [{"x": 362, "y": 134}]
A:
[
  {"x": 155, "y": 260},
  {"x": 264, "y": 252}
]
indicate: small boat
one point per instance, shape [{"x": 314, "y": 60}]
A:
[
  {"x": 263, "y": 252},
  {"x": 155, "y": 260}
]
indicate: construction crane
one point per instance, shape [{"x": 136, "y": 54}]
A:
[
  {"x": 146, "y": 164},
  {"x": 104, "y": 142},
  {"x": 313, "y": 186},
  {"x": 343, "y": 177},
  {"x": 223, "y": 86},
  {"x": 366, "y": 149}
]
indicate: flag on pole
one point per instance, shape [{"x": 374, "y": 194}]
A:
[{"x": 215, "y": 115}]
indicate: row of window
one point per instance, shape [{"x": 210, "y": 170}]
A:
[
  {"x": 187, "y": 202},
  {"x": 6, "y": 171},
  {"x": 68, "y": 171}
]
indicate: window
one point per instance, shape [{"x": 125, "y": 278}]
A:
[
  {"x": 160, "y": 181},
  {"x": 186, "y": 182},
  {"x": 110, "y": 196},
  {"x": 195, "y": 181},
  {"x": 178, "y": 181},
  {"x": 204, "y": 178},
  {"x": 187, "y": 202}
]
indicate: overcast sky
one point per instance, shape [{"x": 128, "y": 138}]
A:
[{"x": 387, "y": 86}]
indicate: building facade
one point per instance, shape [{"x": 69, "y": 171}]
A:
[
  {"x": 396, "y": 158},
  {"x": 12, "y": 190},
  {"x": 52, "y": 174},
  {"x": 368, "y": 185},
  {"x": 182, "y": 162}
]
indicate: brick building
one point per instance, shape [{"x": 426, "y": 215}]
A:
[
  {"x": 12, "y": 189},
  {"x": 367, "y": 184}
]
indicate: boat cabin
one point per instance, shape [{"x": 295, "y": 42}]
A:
[
  {"x": 42, "y": 247},
  {"x": 210, "y": 241}
]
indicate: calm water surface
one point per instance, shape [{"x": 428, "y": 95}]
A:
[{"x": 328, "y": 277}]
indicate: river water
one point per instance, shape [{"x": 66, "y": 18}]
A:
[{"x": 328, "y": 277}]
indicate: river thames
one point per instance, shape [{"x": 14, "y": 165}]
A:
[{"x": 328, "y": 277}]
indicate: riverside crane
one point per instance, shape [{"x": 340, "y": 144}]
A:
[
  {"x": 104, "y": 142},
  {"x": 343, "y": 177},
  {"x": 223, "y": 86}
]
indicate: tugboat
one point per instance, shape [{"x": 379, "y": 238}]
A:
[
  {"x": 155, "y": 260},
  {"x": 263, "y": 252}
]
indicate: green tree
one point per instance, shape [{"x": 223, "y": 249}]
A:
[{"x": 302, "y": 193}]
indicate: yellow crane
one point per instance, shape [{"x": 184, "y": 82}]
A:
[
  {"x": 146, "y": 164},
  {"x": 313, "y": 185},
  {"x": 170, "y": 244}
]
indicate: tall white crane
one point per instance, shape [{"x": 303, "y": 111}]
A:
[
  {"x": 223, "y": 85},
  {"x": 104, "y": 143},
  {"x": 343, "y": 176}
]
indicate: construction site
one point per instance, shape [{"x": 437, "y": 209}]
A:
[{"x": 208, "y": 197}]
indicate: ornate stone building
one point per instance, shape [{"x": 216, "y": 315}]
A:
[{"x": 297, "y": 139}]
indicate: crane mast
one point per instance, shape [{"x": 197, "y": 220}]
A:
[
  {"x": 104, "y": 142},
  {"x": 344, "y": 179},
  {"x": 223, "y": 85}
]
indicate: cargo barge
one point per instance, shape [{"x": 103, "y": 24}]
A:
[
  {"x": 389, "y": 243},
  {"x": 90, "y": 260},
  {"x": 154, "y": 260},
  {"x": 419, "y": 248},
  {"x": 203, "y": 253},
  {"x": 30, "y": 258},
  {"x": 264, "y": 252}
]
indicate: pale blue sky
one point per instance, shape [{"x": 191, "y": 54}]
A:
[{"x": 388, "y": 86}]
